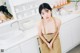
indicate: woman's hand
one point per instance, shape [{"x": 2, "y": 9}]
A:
[{"x": 49, "y": 46}]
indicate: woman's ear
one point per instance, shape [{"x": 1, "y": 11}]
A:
[
  {"x": 41, "y": 17},
  {"x": 51, "y": 14}
]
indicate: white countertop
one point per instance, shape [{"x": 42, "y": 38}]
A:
[
  {"x": 67, "y": 12},
  {"x": 25, "y": 35},
  {"x": 69, "y": 17}
]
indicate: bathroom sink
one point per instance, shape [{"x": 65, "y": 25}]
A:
[
  {"x": 10, "y": 36},
  {"x": 14, "y": 37}
]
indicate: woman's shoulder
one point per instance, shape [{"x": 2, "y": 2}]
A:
[
  {"x": 39, "y": 24},
  {"x": 58, "y": 21}
]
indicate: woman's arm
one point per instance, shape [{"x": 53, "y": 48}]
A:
[
  {"x": 40, "y": 33},
  {"x": 58, "y": 22}
]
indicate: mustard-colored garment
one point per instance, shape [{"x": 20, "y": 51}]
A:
[
  {"x": 48, "y": 36},
  {"x": 56, "y": 46}
]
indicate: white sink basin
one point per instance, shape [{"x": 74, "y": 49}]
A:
[
  {"x": 14, "y": 37},
  {"x": 10, "y": 36}
]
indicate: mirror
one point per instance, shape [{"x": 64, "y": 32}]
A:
[{"x": 6, "y": 14}]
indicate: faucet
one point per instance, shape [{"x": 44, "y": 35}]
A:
[{"x": 18, "y": 25}]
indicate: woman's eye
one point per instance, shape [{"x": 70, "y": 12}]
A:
[
  {"x": 47, "y": 10},
  {"x": 42, "y": 13}
]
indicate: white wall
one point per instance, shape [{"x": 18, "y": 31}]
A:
[{"x": 2, "y": 2}]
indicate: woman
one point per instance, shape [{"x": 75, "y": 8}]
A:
[
  {"x": 4, "y": 14},
  {"x": 48, "y": 30}
]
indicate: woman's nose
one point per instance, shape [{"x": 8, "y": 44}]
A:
[{"x": 46, "y": 14}]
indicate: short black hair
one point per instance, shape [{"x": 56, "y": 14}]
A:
[
  {"x": 44, "y": 6},
  {"x": 5, "y": 11}
]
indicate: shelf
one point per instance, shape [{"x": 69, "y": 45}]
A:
[
  {"x": 28, "y": 17},
  {"x": 27, "y": 14},
  {"x": 26, "y": 6},
  {"x": 27, "y": 10}
]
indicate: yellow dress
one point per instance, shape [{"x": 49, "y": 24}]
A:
[{"x": 56, "y": 44}]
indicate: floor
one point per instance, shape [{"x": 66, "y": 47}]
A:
[{"x": 75, "y": 50}]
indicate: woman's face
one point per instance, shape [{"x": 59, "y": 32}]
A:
[
  {"x": 2, "y": 16},
  {"x": 46, "y": 13}
]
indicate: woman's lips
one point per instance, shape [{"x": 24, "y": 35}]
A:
[{"x": 47, "y": 17}]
